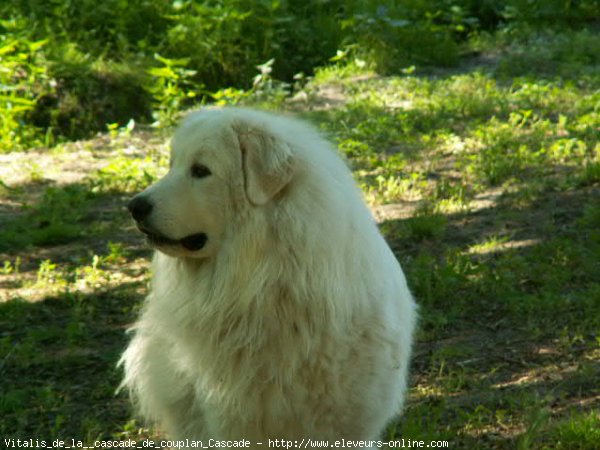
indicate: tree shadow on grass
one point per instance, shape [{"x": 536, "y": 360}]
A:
[
  {"x": 508, "y": 330},
  {"x": 65, "y": 224},
  {"x": 487, "y": 389},
  {"x": 59, "y": 341},
  {"x": 58, "y": 364}
]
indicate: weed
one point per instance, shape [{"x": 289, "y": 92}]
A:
[
  {"x": 116, "y": 253},
  {"x": 171, "y": 88},
  {"x": 124, "y": 174},
  {"x": 424, "y": 226},
  {"x": 538, "y": 417},
  {"x": 22, "y": 76},
  {"x": 115, "y": 130},
  {"x": 579, "y": 431},
  {"x": 50, "y": 276},
  {"x": 12, "y": 268}
]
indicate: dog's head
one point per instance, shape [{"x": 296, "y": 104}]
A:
[{"x": 222, "y": 161}]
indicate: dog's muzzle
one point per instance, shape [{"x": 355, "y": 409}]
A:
[{"x": 140, "y": 208}]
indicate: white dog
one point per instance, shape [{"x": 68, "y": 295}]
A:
[{"x": 277, "y": 309}]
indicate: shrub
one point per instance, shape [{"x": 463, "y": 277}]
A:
[
  {"x": 88, "y": 63},
  {"x": 90, "y": 94}
]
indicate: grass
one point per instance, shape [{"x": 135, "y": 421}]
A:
[{"x": 485, "y": 179}]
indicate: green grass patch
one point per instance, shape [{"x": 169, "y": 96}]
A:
[{"x": 485, "y": 178}]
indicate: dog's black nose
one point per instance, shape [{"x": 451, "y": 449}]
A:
[{"x": 139, "y": 207}]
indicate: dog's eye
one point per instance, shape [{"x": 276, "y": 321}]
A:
[{"x": 200, "y": 171}]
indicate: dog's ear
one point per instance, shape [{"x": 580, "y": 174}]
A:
[{"x": 267, "y": 164}]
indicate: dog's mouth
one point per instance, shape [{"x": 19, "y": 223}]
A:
[{"x": 193, "y": 242}]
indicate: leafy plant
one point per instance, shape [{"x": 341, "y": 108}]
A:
[
  {"x": 171, "y": 89},
  {"x": 23, "y": 78}
]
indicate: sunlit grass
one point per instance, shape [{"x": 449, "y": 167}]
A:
[{"x": 486, "y": 180}]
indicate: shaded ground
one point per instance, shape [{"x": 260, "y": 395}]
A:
[{"x": 506, "y": 274}]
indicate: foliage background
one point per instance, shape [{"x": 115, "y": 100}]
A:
[{"x": 70, "y": 67}]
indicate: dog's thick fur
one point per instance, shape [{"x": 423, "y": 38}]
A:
[{"x": 294, "y": 320}]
